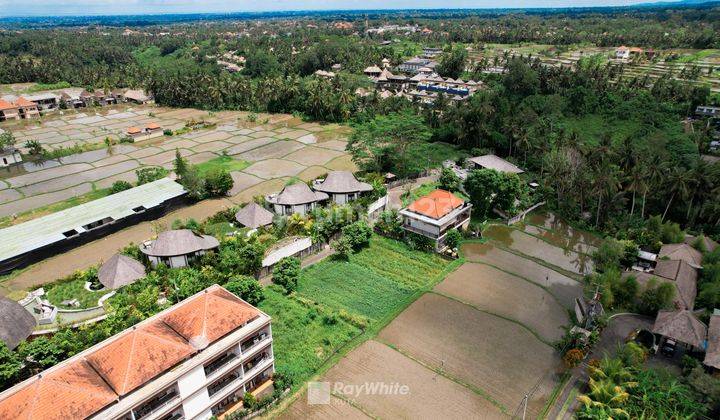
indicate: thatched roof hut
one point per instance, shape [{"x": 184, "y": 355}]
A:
[
  {"x": 120, "y": 270},
  {"x": 253, "y": 216},
  {"x": 682, "y": 326},
  {"x": 296, "y": 194},
  {"x": 682, "y": 252},
  {"x": 342, "y": 182},
  {"x": 685, "y": 277},
  {"x": 16, "y": 323},
  {"x": 179, "y": 242}
]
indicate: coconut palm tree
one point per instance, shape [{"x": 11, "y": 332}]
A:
[
  {"x": 678, "y": 184},
  {"x": 607, "y": 396}
]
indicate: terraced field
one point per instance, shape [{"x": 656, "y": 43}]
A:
[{"x": 274, "y": 146}]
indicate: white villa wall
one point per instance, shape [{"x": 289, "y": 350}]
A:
[
  {"x": 377, "y": 205},
  {"x": 286, "y": 251}
]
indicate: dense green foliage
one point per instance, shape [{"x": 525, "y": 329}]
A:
[{"x": 622, "y": 388}]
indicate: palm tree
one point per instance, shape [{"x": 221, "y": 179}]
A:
[
  {"x": 606, "y": 184},
  {"x": 607, "y": 396},
  {"x": 636, "y": 182},
  {"x": 678, "y": 183}
]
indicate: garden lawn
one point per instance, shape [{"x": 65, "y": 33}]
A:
[
  {"x": 304, "y": 336},
  {"x": 374, "y": 282},
  {"x": 74, "y": 289},
  {"x": 227, "y": 163}
]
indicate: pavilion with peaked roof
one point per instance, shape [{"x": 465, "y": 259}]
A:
[
  {"x": 342, "y": 186},
  {"x": 296, "y": 198},
  {"x": 712, "y": 353},
  {"x": 16, "y": 323},
  {"x": 120, "y": 270},
  {"x": 178, "y": 248},
  {"x": 435, "y": 214},
  {"x": 707, "y": 242},
  {"x": 254, "y": 216},
  {"x": 681, "y": 326}
]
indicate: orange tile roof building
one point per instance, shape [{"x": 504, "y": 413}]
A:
[
  {"x": 192, "y": 361},
  {"x": 435, "y": 214}
]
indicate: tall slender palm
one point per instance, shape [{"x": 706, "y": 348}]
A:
[
  {"x": 606, "y": 184},
  {"x": 678, "y": 184}
]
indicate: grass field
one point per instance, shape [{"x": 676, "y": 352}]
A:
[
  {"x": 374, "y": 281},
  {"x": 304, "y": 336},
  {"x": 227, "y": 163},
  {"x": 74, "y": 289},
  {"x": 336, "y": 299}
]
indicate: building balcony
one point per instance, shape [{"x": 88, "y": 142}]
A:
[
  {"x": 431, "y": 235},
  {"x": 214, "y": 366},
  {"x": 156, "y": 405},
  {"x": 255, "y": 341},
  {"x": 224, "y": 382}
]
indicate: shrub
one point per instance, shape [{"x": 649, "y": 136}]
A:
[
  {"x": 453, "y": 238},
  {"x": 358, "y": 234},
  {"x": 247, "y": 288},
  {"x": 218, "y": 182},
  {"x": 194, "y": 183},
  {"x": 449, "y": 180},
  {"x": 167, "y": 132},
  {"x": 150, "y": 174},
  {"x": 655, "y": 298},
  {"x": 609, "y": 255},
  {"x": 389, "y": 223},
  {"x": 286, "y": 273},
  {"x": 419, "y": 242},
  {"x": 34, "y": 147},
  {"x": 119, "y": 186},
  {"x": 573, "y": 357},
  {"x": 343, "y": 248}
]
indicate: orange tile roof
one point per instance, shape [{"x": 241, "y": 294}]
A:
[
  {"x": 153, "y": 126},
  {"x": 139, "y": 355},
  {"x": 6, "y": 105},
  {"x": 24, "y": 102},
  {"x": 133, "y": 130},
  {"x": 73, "y": 392},
  {"x": 210, "y": 316},
  {"x": 436, "y": 204},
  {"x": 86, "y": 383}
]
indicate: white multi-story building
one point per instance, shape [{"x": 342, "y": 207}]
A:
[
  {"x": 194, "y": 360},
  {"x": 435, "y": 214}
]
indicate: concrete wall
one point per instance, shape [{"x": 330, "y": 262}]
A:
[{"x": 286, "y": 251}]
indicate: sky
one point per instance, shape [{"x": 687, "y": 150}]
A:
[{"x": 126, "y": 7}]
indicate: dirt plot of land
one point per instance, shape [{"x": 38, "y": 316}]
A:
[
  {"x": 562, "y": 287},
  {"x": 337, "y": 409},
  {"x": 501, "y": 293},
  {"x": 529, "y": 245},
  {"x": 429, "y": 396},
  {"x": 495, "y": 355}
]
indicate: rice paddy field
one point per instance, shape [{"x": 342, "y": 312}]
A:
[
  {"x": 336, "y": 301},
  {"x": 532, "y": 246},
  {"x": 469, "y": 346}
]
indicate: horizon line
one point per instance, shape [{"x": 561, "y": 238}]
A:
[{"x": 425, "y": 9}]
